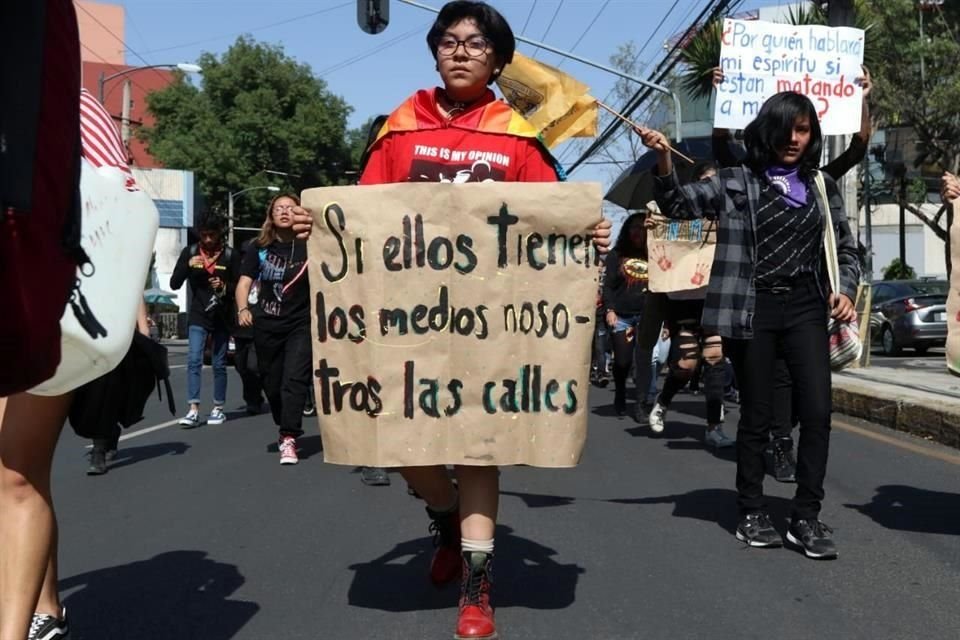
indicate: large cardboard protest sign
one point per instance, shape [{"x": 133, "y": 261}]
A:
[
  {"x": 761, "y": 58},
  {"x": 681, "y": 253},
  {"x": 452, "y": 323},
  {"x": 953, "y": 297}
]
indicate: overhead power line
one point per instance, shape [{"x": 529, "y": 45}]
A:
[
  {"x": 120, "y": 40},
  {"x": 713, "y": 10},
  {"x": 371, "y": 52},
  {"x": 543, "y": 38},
  {"x": 260, "y": 28},
  {"x": 587, "y": 30},
  {"x": 529, "y": 15}
]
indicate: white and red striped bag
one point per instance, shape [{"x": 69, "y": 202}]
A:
[
  {"x": 844, "y": 337},
  {"x": 119, "y": 225}
]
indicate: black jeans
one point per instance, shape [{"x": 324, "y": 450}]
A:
[
  {"x": 784, "y": 417},
  {"x": 793, "y": 323},
  {"x": 245, "y": 362},
  {"x": 284, "y": 361}
]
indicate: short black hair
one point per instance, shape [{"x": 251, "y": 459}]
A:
[
  {"x": 702, "y": 168},
  {"x": 210, "y": 223},
  {"x": 770, "y": 131},
  {"x": 491, "y": 24}
]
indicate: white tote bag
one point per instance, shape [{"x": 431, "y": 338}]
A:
[{"x": 119, "y": 226}]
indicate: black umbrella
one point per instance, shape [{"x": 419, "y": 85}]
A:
[{"x": 633, "y": 189}]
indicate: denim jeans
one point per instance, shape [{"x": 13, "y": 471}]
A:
[{"x": 198, "y": 339}]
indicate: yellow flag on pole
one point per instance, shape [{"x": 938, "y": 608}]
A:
[{"x": 552, "y": 101}]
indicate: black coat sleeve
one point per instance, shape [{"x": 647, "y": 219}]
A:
[{"x": 182, "y": 269}]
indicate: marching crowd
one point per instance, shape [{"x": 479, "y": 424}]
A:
[{"x": 757, "y": 330}]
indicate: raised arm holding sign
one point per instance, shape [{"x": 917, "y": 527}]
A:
[{"x": 760, "y": 59}]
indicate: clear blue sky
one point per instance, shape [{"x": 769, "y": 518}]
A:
[{"x": 375, "y": 73}]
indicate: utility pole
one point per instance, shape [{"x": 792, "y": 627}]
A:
[
  {"x": 840, "y": 13},
  {"x": 125, "y": 114}
]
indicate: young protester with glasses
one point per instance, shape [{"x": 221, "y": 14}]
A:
[
  {"x": 280, "y": 319},
  {"x": 471, "y": 42},
  {"x": 769, "y": 294}
]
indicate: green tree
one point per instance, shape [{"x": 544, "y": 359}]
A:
[
  {"x": 898, "y": 271},
  {"x": 257, "y": 109}
]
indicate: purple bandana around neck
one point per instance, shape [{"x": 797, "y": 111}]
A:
[{"x": 787, "y": 181}]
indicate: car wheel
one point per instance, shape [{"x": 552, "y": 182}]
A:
[
  {"x": 889, "y": 343},
  {"x": 921, "y": 350}
]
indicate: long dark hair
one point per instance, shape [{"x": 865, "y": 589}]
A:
[
  {"x": 771, "y": 130},
  {"x": 625, "y": 247}
]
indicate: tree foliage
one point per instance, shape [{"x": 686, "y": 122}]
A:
[
  {"x": 257, "y": 109},
  {"x": 898, "y": 271}
]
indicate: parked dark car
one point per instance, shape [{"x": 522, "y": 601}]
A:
[{"x": 909, "y": 314}]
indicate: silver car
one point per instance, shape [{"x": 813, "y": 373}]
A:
[{"x": 909, "y": 313}]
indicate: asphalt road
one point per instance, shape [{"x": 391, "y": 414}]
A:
[{"x": 201, "y": 534}]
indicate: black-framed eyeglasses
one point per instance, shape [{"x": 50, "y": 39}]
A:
[{"x": 475, "y": 46}]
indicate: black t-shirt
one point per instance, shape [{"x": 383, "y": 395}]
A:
[
  {"x": 210, "y": 308},
  {"x": 625, "y": 284},
  {"x": 279, "y": 272}
]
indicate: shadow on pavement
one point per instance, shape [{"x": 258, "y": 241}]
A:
[
  {"x": 180, "y": 594},
  {"x": 540, "y": 500},
  {"x": 132, "y": 455},
  {"x": 911, "y": 509},
  {"x": 713, "y": 505},
  {"x": 307, "y": 446},
  {"x": 525, "y": 575}
]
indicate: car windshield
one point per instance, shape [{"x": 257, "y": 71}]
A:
[{"x": 925, "y": 288}]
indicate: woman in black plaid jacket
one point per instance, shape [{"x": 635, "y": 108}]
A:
[{"x": 769, "y": 294}]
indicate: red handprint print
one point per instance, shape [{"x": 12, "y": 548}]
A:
[
  {"x": 660, "y": 256},
  {"x": 700, "y": 275}
]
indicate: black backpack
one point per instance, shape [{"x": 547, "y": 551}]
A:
[{"x": 120, "y": 396}]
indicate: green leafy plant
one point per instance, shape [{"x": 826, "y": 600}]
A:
[{"x": 899, "y": 271}]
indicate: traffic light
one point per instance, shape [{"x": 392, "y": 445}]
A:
[{"x": 373, "y": 16}]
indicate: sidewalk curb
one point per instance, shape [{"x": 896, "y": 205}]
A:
[{"x": 878, "y": 403}]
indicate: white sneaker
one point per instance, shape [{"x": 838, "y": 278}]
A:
[
  {"x": 288, "y": 450},
  {"x": 192, "y": 419},
  {"x": 657, "y": 416},
  {"x": 716, "y": 438},
  {"x": 216, "y": 416}
]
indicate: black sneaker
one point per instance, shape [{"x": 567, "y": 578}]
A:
[
  {"x": 47, "y": 627},
  {"x": 780, "y": 461},
  {"x": 98, "y": 463},
  {"x": 814, "y": 537},
  {"x": 374, "y": 476},
  {"x": 756, "y": 530}
]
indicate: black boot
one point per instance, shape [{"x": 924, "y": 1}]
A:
[{"x": 620, "y": 391}]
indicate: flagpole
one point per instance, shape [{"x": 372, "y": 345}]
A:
[
  {"x": 591, "y": 63},
  {"x": 636, "y": 126}
]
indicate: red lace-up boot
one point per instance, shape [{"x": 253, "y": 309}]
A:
[{"x": 475, "y": 621}]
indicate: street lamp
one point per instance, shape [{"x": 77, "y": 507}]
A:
[
  {"x": 125, "y": 106},
  {"x": 231, "y": 197},
  {"x": 186, "y": 67}
]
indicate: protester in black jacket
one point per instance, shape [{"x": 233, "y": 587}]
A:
[
  {"x": 212, "y": 271},
  {"x": 624, "y": 293}
]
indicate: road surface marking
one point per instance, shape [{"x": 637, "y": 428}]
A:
[{"x": 929, "y": 452}]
